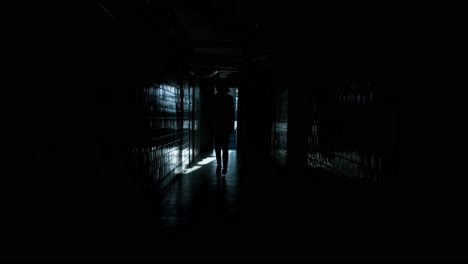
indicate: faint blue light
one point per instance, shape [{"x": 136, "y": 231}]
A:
[
  {"x": 194, "y": 168},
  {"x": 206, "y": 161}
]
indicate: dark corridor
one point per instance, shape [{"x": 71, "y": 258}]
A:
[{"x": 313, "y": 160}]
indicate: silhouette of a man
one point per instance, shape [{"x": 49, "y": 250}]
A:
[{"x": 223, "y": 125}]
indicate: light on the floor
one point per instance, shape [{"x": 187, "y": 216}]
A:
[
  {"x": 194, "y": 168},
  {"x": 206, "y": 161}
]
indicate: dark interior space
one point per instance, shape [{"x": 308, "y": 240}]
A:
[{"x": 120, "y": 144}]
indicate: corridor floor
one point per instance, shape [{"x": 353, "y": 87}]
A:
[
  {"x": 202, "y": 198},
  {"x": 249, "y": 213},
  {"x": 206, "y": 215}
]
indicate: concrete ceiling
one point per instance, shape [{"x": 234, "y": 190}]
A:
[
  {"x": 221, "y": 31},
  {"x": 220, "y": 20}
]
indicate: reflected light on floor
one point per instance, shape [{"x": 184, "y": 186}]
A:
[
  {"x": 206, "y": 161},
  {"x": 194, "y": 168}
]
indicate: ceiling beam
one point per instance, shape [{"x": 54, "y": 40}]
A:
[{"x": 212, "y": 66}]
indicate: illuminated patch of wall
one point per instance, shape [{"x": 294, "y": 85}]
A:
[
  {"x": 186, "y": 124},
  {"x": 196, "y": 120},
  {"x": 280, "y": 129}
]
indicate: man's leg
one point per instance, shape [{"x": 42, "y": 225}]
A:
[
  {"x": 225, "y": 145},
  {"x": 218, "y": 151}
]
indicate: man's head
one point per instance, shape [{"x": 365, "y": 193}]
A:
[{"x": 222, "y": 89}]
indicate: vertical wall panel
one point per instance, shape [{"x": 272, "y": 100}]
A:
[
  {"x": 196, "y": 120},
  {"x": 186, "y": 124},
  {"x": 351, "y": 132},
  {"x": 280, "y": 129}
]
